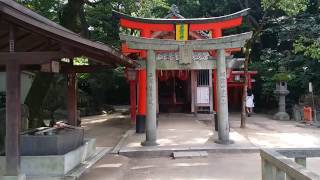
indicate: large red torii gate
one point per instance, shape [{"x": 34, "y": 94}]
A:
[{"x": 150, "y": 26}]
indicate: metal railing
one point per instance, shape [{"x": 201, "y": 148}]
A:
[{"x": 278, "y": 164}]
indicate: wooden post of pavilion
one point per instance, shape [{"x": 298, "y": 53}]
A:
[
  {"x": 13, "y": 120},
  {"x": 72, "y": 97}
]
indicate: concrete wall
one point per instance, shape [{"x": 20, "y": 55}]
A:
[{"x": 26, "y": 82}]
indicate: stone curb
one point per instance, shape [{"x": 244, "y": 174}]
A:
[
  {"x": 121, "y": 142},
  {"x": 84, "y": 166},
  {"x": 167, "y": 151}
]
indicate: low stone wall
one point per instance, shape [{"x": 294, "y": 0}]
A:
[
  {"x": 24, "y": 124},
  {"x": 58, "y": 165},
  {"x": 277, "y": 165}
]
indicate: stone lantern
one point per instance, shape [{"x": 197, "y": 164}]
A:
[
  {"x": 132, "y": 74},
  {"x": 281, "y": 91}
]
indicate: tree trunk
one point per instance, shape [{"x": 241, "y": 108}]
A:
[
  {"x": 35, "y": 97},
  {"x": 73, "y": 18},
  {"x": 245, "y": 85}
]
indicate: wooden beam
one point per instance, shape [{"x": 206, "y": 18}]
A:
[
  {"x": 31, "y": 57},
  {"x": 22, "y": 68},
  {"x": 97, "y": 57},
  {"x": 47, "y": 45},
  {"x": 28, "y": 42},
  {"x": 64, "y": 68},
  {"x": 36, "y": 47},
  {"x": 17, "y": 39},
  {"x": 84, "y": 68}
]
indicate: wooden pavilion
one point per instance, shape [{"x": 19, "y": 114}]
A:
[{"x": 29, "y": 41}]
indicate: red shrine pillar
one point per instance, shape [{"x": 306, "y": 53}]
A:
[
  {"x": 236, "y": 96},
  {"x": 132, "y": 74},
  {"x": 215, "y": 34},
  {"x": 249, "y": 81},
  {"x": 215, "y": 89},
  {"x": 142, "y": 89}
]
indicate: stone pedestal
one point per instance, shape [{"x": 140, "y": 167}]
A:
[
  {"x": 281, "y": 91},
  {"x": 283, "y": 116}
]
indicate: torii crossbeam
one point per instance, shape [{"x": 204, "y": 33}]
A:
[{"x": 186, "y": 49}]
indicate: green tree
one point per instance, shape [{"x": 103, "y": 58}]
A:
[{"x": 268, "y": 6}]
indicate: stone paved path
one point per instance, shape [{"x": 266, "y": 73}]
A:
[{"x": 184, "y": 130}]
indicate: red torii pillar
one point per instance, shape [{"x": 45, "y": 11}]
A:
[
  {"x": 142, "y": 87},
  {"x": 215, "y": 33}
]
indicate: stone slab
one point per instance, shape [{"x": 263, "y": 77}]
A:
[
  {"x": 20, "y": 177},
  {"x": 80, "y": 169},
  {"x": 189, "y": 154}
]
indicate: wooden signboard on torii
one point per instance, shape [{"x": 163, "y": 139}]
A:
[{"x": 174, "y": 26}]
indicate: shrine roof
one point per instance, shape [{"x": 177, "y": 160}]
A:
[
  {"x": 37, "y": 33},
  {"x": 241, "y": 13}
]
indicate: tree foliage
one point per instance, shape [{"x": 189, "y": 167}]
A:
[
  {"x": 287, "y": 35},
  {"x": 290, "y": 7}
]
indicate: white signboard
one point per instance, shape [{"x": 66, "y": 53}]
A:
[{"x": 203, "y": 95}]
